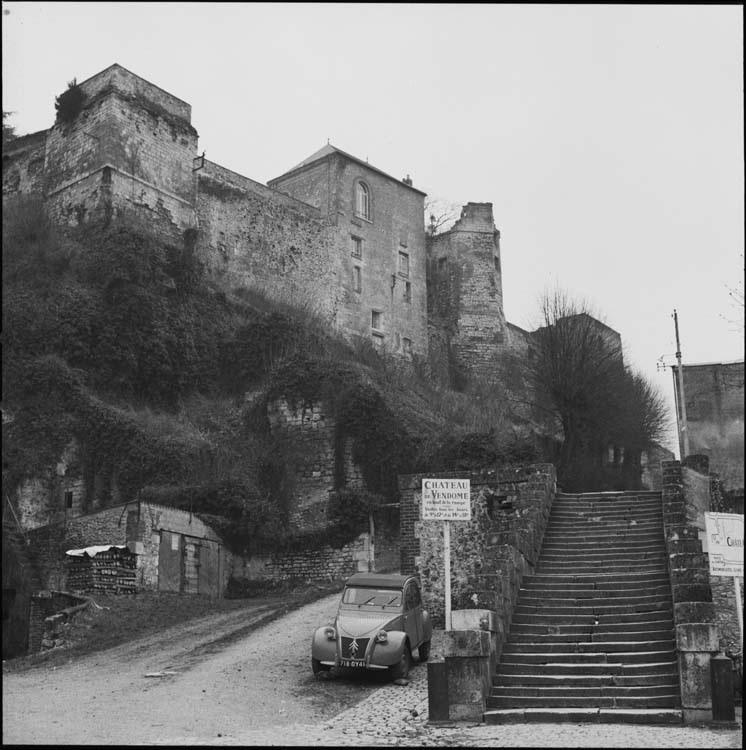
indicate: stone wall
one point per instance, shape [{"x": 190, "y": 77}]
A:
[
  {"x": 312, "y": 474},
  {"x": 137, "y": 525},
  {"x": 254, "y": 237},
  {"x": 693, "y": 609},
  {"x": 50, "y": 614},
  {"x": 321, "y": 564},
  {"x": 23, "y": 164},
  {"x": 698, "y": 499},
  {"x": 490, "y": 553}
]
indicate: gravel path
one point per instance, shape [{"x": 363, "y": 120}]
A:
[
  {"x": 210, "y": 687},
  {"x": 259, "y": 690}
]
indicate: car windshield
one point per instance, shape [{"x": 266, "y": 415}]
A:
[{"x": 370, "y": 597}]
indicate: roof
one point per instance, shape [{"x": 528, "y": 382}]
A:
[
  {"x": 328, "y": 150},
  {"x": 94, "y": 550},
  {"x": 382, "y": 580}
]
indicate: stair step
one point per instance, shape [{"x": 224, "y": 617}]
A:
[
  {"x": 594, "y": 637},
  {"x": 589, "y": 617},
  {"x": 502, "y": 680},
  {"x": 588, "y": 657},
  {"x": 618, "y": 601},
  {"x": 583, "y": 691},
  {"x": 652, "y": 716},
  {"x": 586, "y": 647},
  {"x": 518, "y": 701},
  {"x": 600, "y": 609},
  {"x": 570, "y": 592},
  {"x": 622, "y": 579},
  {"x": 557, "y": 670},
  {"x": 628, "y": 627}
]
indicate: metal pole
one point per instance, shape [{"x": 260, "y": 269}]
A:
[
  {"x": 683, "y": 432},
  {"x": 447, "y": 566}
]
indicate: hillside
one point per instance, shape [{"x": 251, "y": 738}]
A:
[{"x": 120, "y": 342}]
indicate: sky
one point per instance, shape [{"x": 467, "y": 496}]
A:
[{"x": 609, "y": 138}]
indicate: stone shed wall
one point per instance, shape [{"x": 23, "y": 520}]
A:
[
  {"x": 490, "y": 553},
  {"x": 121, "y": 524}
]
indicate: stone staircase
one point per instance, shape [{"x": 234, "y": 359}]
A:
[{"x": 592, "y": 635}]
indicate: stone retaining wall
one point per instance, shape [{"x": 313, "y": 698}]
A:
[
  {"x": 490, "y": 553},
  {"x": 693, "y": 609}
]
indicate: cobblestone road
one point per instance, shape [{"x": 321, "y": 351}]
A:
[{"x": 396, "y": 715}]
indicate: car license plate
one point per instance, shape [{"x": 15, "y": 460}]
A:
[{"x": 352, "y": 662}]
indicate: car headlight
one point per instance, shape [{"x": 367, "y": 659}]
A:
[
  {"x": 382, "y": 636},
  {"x": 330, "y": 633}
]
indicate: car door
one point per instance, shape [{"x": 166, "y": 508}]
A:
[{"x": 412, "y": 613}]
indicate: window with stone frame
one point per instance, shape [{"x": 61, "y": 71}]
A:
[
  {"x": 406, "y": 346},
  {"x": 357, "y": 247},
  {"x": 376, "y": 320},
  {"x": 362, "y": 200},
  {"x": 403, "y": 264},
  {"x": 357, "y": 279},
  {"x": 408, "y": 292}
]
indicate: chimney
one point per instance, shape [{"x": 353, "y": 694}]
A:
[{"x": 407, "y": 181}]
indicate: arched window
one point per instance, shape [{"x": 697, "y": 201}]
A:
[{"x": 362, "y": 200}]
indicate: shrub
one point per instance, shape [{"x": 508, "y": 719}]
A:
[{"x": 69, "y": 104}]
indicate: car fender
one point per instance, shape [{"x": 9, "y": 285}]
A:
[
  {"x": 389, "y": 653},
  {"x": 322, "y": 648},
  {"x": 427, "y": 627}
]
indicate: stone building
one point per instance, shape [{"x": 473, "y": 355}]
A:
[{"x": 714, "y": 417}]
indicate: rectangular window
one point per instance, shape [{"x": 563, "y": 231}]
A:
[
  {"x": 404, "y": 264},
  {"x": 376, "y": 320},
  {"x": 407, "y": 346},
  {"x": 357, "y": 279},
  {"x": 442, "y": 264},
  {"x": 408, "y": 292},
  {"x": 68, "y": 499},
  {"x": 357, "y": 247}
]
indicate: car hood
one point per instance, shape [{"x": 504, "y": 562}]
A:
[{"x": 359, "y": 624}]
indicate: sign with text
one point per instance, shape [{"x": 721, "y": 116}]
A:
[
  {"x": 725, "y": 543},
  {"x": 446, "y": 500}
]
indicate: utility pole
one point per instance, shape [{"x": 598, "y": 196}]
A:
[{"x": 683, "y": 431}]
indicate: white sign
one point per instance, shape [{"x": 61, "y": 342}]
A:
[
  {"x": 446, "y": 500},
  {"x": 725, "y": 543}
]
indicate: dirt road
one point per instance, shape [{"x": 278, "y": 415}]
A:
[{"x": 214, "y": 682}]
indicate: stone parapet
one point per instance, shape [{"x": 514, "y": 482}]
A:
[{"x": 694, "y": 613}]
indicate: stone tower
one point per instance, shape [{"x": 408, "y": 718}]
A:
[
  {"x": 465, "y": 298},
  {"x": 129, "y": 148}
]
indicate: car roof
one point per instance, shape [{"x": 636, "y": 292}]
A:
[{"x": 383, "y": 580}]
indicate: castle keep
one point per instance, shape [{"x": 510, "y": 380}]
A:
[{"x": 333, "y": 233}]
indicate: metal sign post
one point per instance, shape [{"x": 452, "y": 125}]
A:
[
  {"x": 446, "y": 500},
  {"x": 725, "y": 551}
]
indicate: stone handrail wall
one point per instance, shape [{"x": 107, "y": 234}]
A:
[
  {"x": 693, "y": 610},
  {"x": 490, "y": 553}
]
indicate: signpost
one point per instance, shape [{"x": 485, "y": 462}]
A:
[
  {"x": 446, "y": 500},
  {"x": 725, "y": 550}
]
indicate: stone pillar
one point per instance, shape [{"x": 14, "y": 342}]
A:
[{"x": 469, "y": 654}]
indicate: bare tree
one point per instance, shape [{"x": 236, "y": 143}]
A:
[
  {"x": 736, "y": 296},
  {"x": 579, "y": 376},
  {"x": 440, "y": 215}
]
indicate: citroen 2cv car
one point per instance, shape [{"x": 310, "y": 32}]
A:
[{"x": 379, "y": 624}]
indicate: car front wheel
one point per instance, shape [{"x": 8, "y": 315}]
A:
[
  {"x": 317, "y": 666},
  {"x": 400, "y": 670},
  {"x": 424, "y": 651}
]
